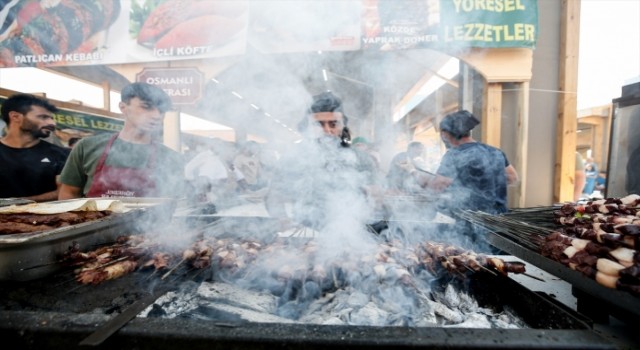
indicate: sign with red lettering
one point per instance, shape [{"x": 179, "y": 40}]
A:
[{"x": 183, "y": 85}]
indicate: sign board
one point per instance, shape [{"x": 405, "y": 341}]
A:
[
  {"x": 117, "y": 31},
  {"x": 183, "y": 85}
]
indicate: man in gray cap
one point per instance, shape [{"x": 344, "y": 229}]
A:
[{"x": 474, "y": 173}]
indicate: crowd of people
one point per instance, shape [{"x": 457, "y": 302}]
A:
[{"x": 326, "y": 176}]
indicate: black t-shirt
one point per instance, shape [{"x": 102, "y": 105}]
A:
[
  {"x": 479, "y": 179},
  {"x": 30, "y": 171}
]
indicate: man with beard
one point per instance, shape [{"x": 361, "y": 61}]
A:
[
  {"x": 29, "y": 166},
  {"x": 129, "y": 163},
  {"x": 324, "y": 179}
]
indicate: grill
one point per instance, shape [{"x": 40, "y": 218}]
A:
[{"x": 55, "y": 312}]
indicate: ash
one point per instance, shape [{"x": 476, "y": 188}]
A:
[{"x": 282, "y": 282}]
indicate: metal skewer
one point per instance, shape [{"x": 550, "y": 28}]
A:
[{"x": 173, "y": 268}]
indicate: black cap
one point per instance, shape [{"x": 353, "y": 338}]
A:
[{"x": 459, "y": 123}]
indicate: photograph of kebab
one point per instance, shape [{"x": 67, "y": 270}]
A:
[
  {"x": 33, "y": 28},
  {"x": 179, "y": 23}
]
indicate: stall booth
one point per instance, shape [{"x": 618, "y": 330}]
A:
[{"x": 202, "y": 281}]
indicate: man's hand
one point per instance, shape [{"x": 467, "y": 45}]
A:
[{"x": 69, "y": 192}]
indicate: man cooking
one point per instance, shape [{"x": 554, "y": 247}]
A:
[
  {"x": 323, "y": 177},
  {"x": 474, "y": 175},
  {"x": 130, "y": 163},
  {"x": 30, "y": 166}
]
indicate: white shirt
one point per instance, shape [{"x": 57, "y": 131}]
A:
[{"x": 207, "y": 164}]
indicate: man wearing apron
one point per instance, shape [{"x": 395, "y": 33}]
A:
[{"x": 129, "y": 163}]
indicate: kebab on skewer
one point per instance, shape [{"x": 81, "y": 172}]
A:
[
  {"x": 617, "y": 268},
  {"x": 456, "y": 259}
]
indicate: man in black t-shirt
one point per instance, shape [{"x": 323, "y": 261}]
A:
[{"x": 29, "y": 166}]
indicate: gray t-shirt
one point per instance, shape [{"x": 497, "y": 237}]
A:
[{"x": 80, "y": 167}]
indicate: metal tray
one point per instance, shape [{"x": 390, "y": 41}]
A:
[
  {"x": 29, "y": 256},
  {"x": 14, "y": 201}
]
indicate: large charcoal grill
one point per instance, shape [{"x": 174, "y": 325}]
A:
[{"x": 55, "y": 312}]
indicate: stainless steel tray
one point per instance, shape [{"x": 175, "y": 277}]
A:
[
  {"x": 28, "y": 256},
  {"x": 14, "y": 201}
]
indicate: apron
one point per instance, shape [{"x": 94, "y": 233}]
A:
[{"x": 110, "y": 181}]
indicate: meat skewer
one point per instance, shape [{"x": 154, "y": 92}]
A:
[{"x": 187, "y": 255}]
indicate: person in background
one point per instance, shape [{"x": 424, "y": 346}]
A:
[
  {"x": 72, "y": 141},
  {"x": 323, "y": 177},
  {"x": 591, "y": 173},
  {"x": 601, "y": 181},
  {"x": 247, "y": 162},
  {"x": 29, "y": 166},
  {"x": 474, "y": 175},
  {"x": 129, "y": 163},
  {"x": 415, "y": 152},
  {"x": 402, "y": 177},
  {"x": 212, "y": 175},
  {"x": 365, "y": 146},
  {"x": 580, "y": 178}
]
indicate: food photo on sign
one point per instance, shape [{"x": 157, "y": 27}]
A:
[
  {"x": 40, "y": 33},
  {"x": 186, "y": 29}
]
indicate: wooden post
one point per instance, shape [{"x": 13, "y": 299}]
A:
[
  {"x": 171, "y": 135},
  {"x": 106, "y": 95},
  {"x": 522, "y": 149},
  {"x": 567, "y": 102},
  {"x": 492, "y": 114}
]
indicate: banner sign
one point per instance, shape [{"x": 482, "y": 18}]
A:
[
  {"x": 183, "y": 85},
  {"x": 491, "y": 23},
  {"x": 86, "y": 32},
  {"x": 67, "y": 119}
]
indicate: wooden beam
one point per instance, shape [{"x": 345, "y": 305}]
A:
[
  {"x": 492, "y": 115},
  {"x": 106, "y": 95},
  {"x": 518, "y": 195},
  {"x": 567, "y": 102}
]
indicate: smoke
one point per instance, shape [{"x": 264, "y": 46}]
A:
[{"x": 297, "y": 50}]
